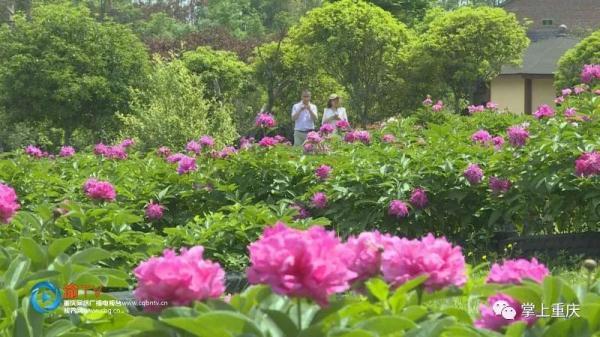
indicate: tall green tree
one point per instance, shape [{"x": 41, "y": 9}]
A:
[
  {"x": 362, "y": 47},
  {"x": 66, "y": 68},
  {"x": 463, "y": 47},
  {"x": 570, "y": 64}
]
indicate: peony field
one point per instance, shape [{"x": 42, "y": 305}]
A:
[{"x": 286, "y": 168}]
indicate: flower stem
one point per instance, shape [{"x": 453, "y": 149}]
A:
[
  {"x": 419, "y": 295},
  {"x": 299, "y": 312}
]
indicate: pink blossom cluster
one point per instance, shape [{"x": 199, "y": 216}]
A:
[
  {"x": 35, "y": 152},
  {"x": 358, "y": 135},
  {"x": 314, "y": 138},
  {"x": 492, "y": 319},
  {"x": 515, "y": 271},
  {"x": 491, "y": 105},
  {"x": 498, "y": 142},
  {"x": 427, "y": 101},
  {"x": 326, "y": 129},
  {"x": 186, "y": 164},
  {"x": 111, "y": 152},
  {"x": 517, "y": 135},
  {"x": 246, "y": 142},
  {"x": 265, "y": 120},
  {"x": 366, "y": 250},
  {"x": 566, "y": 92},
  {"x": 475, "y": 109},
  {"x": 66, "y": 151},
  {"x": 481, "y": 137},
  {"x": 303, "y": 213},
  {"x": 268, "y": 142},
  {"x": 99, "y": 190},
  {"x": 544, "y": 111},
  {"x": 418, "y": 198},
  {"x": 128, "y": 142},
  {"x": 438, "y": 259},
  {"x": 578, "y": 89},
  {"x": 590, "y": 72},
  {"x": 474, "y": 174},
  {"x": 154, "y": 211},
  {"x": 322, "y": 172},
  {"x": 438, "y": 106},
  {"x": 499, "y": 185},
  {"x": 179, "y": 279},
  {"x": 588, "y": 164},
  {"x": 163, "y": 151},
  {"x": 398, "y": 209},
  {"x": 9, "y": 203},
  {"x": 306, "y": 264},
  {"x": 225, "y": 152},
  {"x": 319, "y": 200},
  {"x": 388, "y": 138},
  {"x": 342, "y": 125},
  {"x": 175, "y": 158},
  {"x": 570, "y": 112}
]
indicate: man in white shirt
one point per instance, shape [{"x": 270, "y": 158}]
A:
[{"x": 304, "y": 115}]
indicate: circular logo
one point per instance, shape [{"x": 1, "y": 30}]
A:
[{"x": 45, "y": 297}]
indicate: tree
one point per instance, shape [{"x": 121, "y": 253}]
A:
[
  {"x": 359, "y": 45},
  {"x": 236, "y": 15},
  {"x": 469, "y": 45},
  {"x": 228, "y": 80},
  {"x": 570, "y": 64},
  {"x": 407, "y": 11},
  {"x": 172, "y": 110},
  {"x": 68, "y": 69}
]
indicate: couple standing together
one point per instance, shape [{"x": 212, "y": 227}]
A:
[{"x": 305, "y": 114}]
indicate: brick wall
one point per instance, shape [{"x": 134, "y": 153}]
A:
[{"x": 576, "y": 14}]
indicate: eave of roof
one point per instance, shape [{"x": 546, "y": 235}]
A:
[{"x": 541, "y": 57}]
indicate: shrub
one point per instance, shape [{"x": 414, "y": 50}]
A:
[{"x": 570, "y": 64}]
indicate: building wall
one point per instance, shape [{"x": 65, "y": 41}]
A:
[
  {"x": 576, "y": 14},
  {"x": 542, "y": 92},
  {"x": 508, "y": 91}
]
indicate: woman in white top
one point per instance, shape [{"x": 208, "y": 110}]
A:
[{"x": 334, "y": 112}]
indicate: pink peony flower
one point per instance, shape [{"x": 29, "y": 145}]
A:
[
  {"x": 100, "y": 149},
  {"x": 481, "y": 137},
  {"x": 491, "y": 315},
  {"x": 544, "y": 110},
  {"x": 363, "y": 136},
  {"x": 99, "y": 190},
  {"x": 404, "y": 259},
  {"x": 438, "y": 106},
  {"x": 578, "y": 89},
  {"x": 303, "y": 213},
  {"x": 597, "y": 91},
  {"x": 186, "y": 164},
  {"x": 566, "y": 92},
  {"x": 515, "y": 271},
  {"x": 588, "y": 164},
  {"x": 313, "y": 137},
  {"x": 388, "y": 138},
  {"x": 517, "y": 136},
  {"x": 308, "y": 147},
  {"x": 558, "y": 100},
  {"x": 282, "y": 140},
  {"x": 498, "y": 142},
  {"x": 474, "y": 174},
  {"x": 246, "y": 142},
  {"x": 9, "y": 203},
  {"x": 327, "y": 129},
  {"x": 265, "y": 120},
  {"x": 175, "y": 158},
  {"x": 267, "y": 142},
  {"x": 207, "y": 141},
  {"x": 319, "y": 200},
  {"x": 475, "y": 109},
  {"x": 366, "y": 249},
  {"x": 498, "y": 185},
  {"x": 350, "y": 137},
  {"x": 178, "y": 279},
  {"x": 154, "y": 211},
  {"x": 427, "y": 101},
  {"x": 491, "y": 105},
  {"x": 418, "y": 198},
  {"x": 127, "y": 143},
  {"x": 115, "y": 152},
  {"x": 67, "y": 151},
  {"x": 163, "y": 151},
  {"x": 398, "y": 209},
  {"x": 227, "y": 152},
  {"x": 307, "y": 264},
  {"x": 342, "y": 125},
  {"x": 590, "y": 72},
  {"x": 193, "y": 146},
  {"x": 322, "y": 172},
  {"x": 570, "y": 112},
  {"x": 34, "y": 151}
]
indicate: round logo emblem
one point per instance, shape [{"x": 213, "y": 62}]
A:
[{"x": 45, "y": 297}]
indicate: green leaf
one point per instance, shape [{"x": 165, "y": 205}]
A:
[
  {"x": 516, "y": 329},
  {"x": 216, "y": 324},
  {"x": 57, "y": 328},
  {"x": 40, "y": 275},
  {"x": 8, "y": 300},
  {"x": 16, "y": 271},
  {"x": 431, "y": 328},
  {"x": 34, "y": 251},
  {"x": 385, "y": 325},
  {"x": 378, "y": 288},
  {"x": 90, "y": 255},
  {"x": 352, "y": 333},
  {"x": 460, "y": 314},
  {"x": 61, "y": 245},
  {"x": 283, "y": 322}
]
